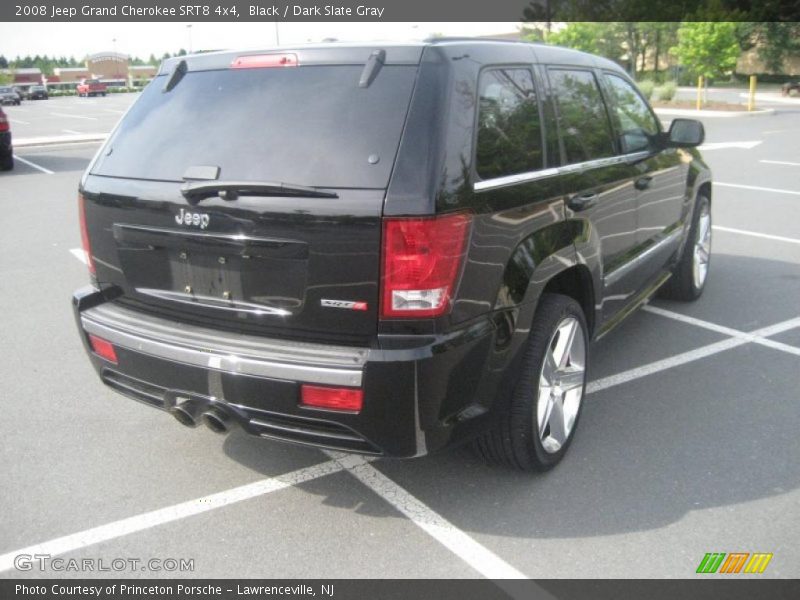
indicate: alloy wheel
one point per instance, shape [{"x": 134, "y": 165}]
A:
[
  {"x": 561, "y": 385},
  {"x": 702, "y": 248}
]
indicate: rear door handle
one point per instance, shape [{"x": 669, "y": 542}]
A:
[
  {"x": 643, "y": 182},
  {"x": 583, "y": 201}
]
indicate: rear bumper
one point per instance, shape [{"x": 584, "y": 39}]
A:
[{"x": 417, "y": 389}]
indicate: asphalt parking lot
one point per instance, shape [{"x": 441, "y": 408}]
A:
[
  {"x": 67, "y": 115},
  {"x": 688, "y": 442}
]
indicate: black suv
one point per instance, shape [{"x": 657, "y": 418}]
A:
[{"x": 384, "y": 249}]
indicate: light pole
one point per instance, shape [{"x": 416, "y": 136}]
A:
[
  {"x": 114, "y": 57},
  {"x": 277, "y": 35},
  {"x": 189, "y": 29}
]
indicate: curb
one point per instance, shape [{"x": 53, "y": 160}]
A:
[
  {"x": 688, "y": 112},
  {"x": 61, "y": 139}
]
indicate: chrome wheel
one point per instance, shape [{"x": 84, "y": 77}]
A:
[
  {"x": 561, "y": 385},
  {"x": 702, "y": 248}
]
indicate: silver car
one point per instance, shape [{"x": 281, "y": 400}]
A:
[{"x": 9, "y": 95}]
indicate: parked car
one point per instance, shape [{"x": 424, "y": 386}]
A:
[
  {"x": 91, "y": 87},
  {"x": 790, "y": 88},
  {"x": 9, "y": 96},
  {"x": 6, "y": 149},
  {"x": 416, "y": 250},
  {"x": 38, "y": 92}
]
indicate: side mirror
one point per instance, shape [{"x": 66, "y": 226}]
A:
[{"x": 685, "y": 133}]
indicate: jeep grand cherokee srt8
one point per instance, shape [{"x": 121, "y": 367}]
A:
[{"x": 384, "y": 249}]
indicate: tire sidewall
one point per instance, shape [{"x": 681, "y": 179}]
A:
[{"x": 527, "y": 393}]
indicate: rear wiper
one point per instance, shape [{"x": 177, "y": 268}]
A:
[
  {"x": 180, "y": 70},
  {"x": 195, "y": 191},
  {"x": 372, "y": 68}
]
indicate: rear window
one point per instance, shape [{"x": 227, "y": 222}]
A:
[{"x": 308, "y": 125}]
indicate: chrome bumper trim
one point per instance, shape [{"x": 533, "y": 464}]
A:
[{"x": 221, "y": 351}]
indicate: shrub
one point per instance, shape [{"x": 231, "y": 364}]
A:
[
  {"x": 665, "y": 92},
  {"x": 646, "y": 87}
]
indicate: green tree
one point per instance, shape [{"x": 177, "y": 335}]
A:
[
  {"x": 593, "y": 37},
  {"x": 708, "y": 48},
  {"x": 773, "y": 41},
  {"x": 655, "y": 40}
]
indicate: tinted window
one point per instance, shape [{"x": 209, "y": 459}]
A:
[
  {"x": 583, "y": 120},
  {"x": 637, "y": 124},
  {"x": 509, "y": 130},
  {"x": 306, "y": 125}
]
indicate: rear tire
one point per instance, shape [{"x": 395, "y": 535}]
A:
[
  {"x": 535, "y": 430},
  {"x": 689, "y": 276},
  {"x": 7, "y": 163}
]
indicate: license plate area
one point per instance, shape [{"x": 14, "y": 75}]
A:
[{"x": 215, "y": 271}]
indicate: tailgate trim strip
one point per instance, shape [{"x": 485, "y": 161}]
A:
[{"x": 228, "y": 352}]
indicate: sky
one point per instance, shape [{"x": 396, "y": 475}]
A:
[{"x": 143, "y": 39}]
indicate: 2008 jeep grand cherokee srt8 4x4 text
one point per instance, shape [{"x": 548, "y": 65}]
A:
[{"x": 384, "y": 248}]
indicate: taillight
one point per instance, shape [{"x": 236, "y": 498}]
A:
[
  {"x": 3, "y": 123},
  {"x": 331, "y": 398},
  {"x": 421, "y": 262},
  {"x": 264, "y": 61},
  {"x": 103, "y": 348},
  {"x": 87, "y": 248}
]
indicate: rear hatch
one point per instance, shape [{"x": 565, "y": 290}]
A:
[{"x": 246, "y": 191}]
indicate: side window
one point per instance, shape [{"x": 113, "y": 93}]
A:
[
  {"x": 582, "y": 116},
  {"x": 636, "y": 123},
  {"x": 509, "y": 130}
]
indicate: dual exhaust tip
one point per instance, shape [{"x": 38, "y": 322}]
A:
[{"x": 192, "y": 413}]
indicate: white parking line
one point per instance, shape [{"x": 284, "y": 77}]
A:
[
  {"x": 33, "y": 164},
  {"x": 662, "y": 365},
  {"x": 79, "y": 254},
  {"x": 111, "y": 110},
  {"x": 729, "y": 331},
  {"x": 19, "y": 122},
  {"x": 780, "y": 162},
  {"x": 698, "y": 353},
  {"x": 767, "y": 236},
  {"x": 757, "y": 188},
  {"x": 750, "y": 337},
  {"x": 71, "y": 131},
  {"x": 477, "y": 556},
  {"x": 74, "y": 116},
  {"x": 725, "y": 145},
  {"x": 76, "y": 541}
]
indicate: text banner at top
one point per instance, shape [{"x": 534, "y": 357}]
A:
[{"x": 399, "y": 10}]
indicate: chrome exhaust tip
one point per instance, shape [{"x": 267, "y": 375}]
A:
[
  {"x": 187, "y": 413},
  {"x": 217, "y": 420}
]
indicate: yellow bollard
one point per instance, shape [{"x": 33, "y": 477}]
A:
[
  {"x": 699, "y": 92},
  {"x": 751, "y": 101}
]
